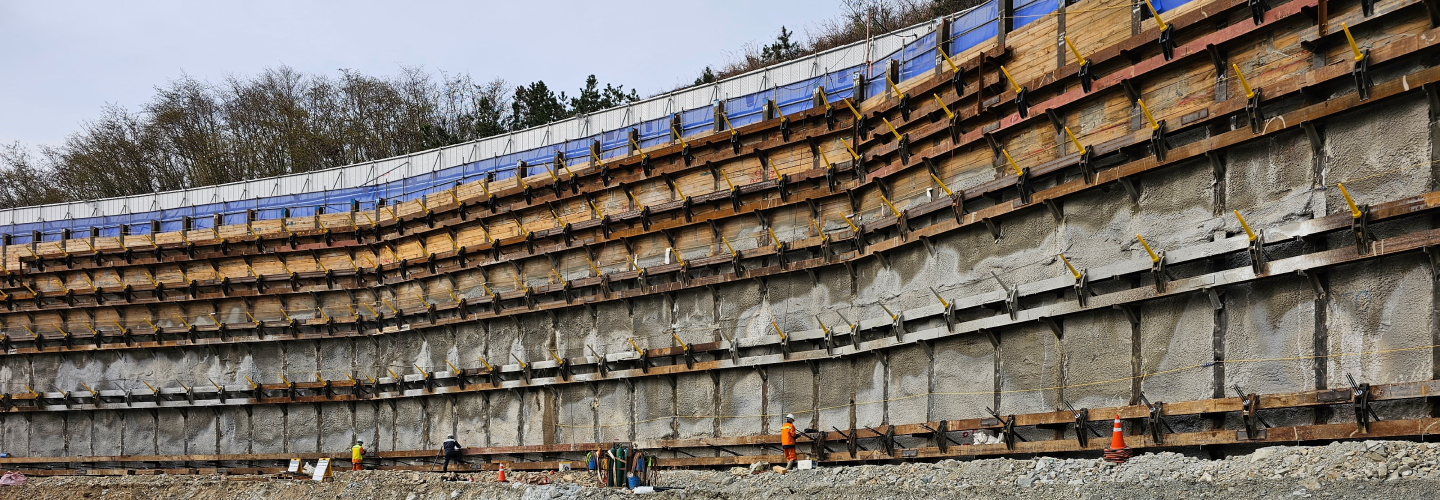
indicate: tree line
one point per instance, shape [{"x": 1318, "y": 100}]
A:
[{"x": 280, "y": 121}]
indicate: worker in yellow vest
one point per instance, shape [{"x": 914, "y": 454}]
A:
[
  {"x": 787, "y": 440},
  {"x": 357, "y": 455}
]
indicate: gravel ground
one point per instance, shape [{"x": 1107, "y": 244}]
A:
[{"x": 1371, "y": 469}]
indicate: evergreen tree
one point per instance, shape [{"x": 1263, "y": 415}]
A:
[
  {"x": 782, "y": 49},
  {"x": 592, "y": 98},
  {"x": 489, "y": 109},
  {"x": 536, "y": 105},
  {"x": 707, "y": 76}
]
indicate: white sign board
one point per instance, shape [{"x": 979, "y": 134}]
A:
[
  {"x": 322, "y": 470},
  {"x": 294, "y": 465}
]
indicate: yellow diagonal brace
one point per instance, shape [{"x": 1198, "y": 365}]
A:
[
  {"x": 951, "y": 62},
  {"x": 891, "y": 205},
  {"x": 893, "y": 88},
  {"x": 728, "y": 247},
  {"x": 851, "y": 105},
  {"x": 1154, "y": 125},
  {"x": 853, "y": 154},
  {"x": 898, "y": 137},
  {"x": 819, "y": 231},
  {"x": 948, "y": 114},
  {"x": 1078, "y": 147},
  {"x": 943, "y": 303},
  {"x": 1156, "y": 13},
  {"x": 1248, "y": 233},
  {"x": 1249, "y": 94},
  {"x": 1354, "y": 209},
  {"x": 1070, "y": 267},
  {"x": 1018, "y": 172},
  {"x": 723, "y": 175},
  {"x": 676, "y": 133},
  {"x": 1012, "y": 81},
  {"x": 778, "y": 245},
  {"x": 1079, "y": 59},
  {"x": 1153, "y": 257},
  {"x": 1354, "y": 47}
]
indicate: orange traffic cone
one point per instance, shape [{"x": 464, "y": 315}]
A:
[
  {"x": 502, "y": 474},
  {"x": 1117, "y": 452}
]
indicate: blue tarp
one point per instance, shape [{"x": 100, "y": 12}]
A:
[
  {"x": 1168, "y": 5},
  {"x": 840, "y": 84},
  {"x": 695, "y": 121},
  {"x": 1027, "y": 12},
  {"x": 747, "y": 109},
  {"x": 654, "y": 132},
  {"x": 798, "y": 96},
  {"x": 974, "y": 27}
]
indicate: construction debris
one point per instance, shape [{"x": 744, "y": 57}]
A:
[{"x": 1371, "y": 469}]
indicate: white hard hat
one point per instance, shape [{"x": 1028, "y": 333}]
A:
[{"x": 790, "y": 416}]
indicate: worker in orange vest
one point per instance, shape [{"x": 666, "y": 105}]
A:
[
  {"x": 357, "y": 455},
  {"x": 787, "y": 440}
]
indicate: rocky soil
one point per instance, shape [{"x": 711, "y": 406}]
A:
[{"x": 1370, "y": 469}]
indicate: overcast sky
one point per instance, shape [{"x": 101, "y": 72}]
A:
[{"x": 61, "y": 62}]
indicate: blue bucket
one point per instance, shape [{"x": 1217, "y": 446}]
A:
[{"x": 634, "y": 481}]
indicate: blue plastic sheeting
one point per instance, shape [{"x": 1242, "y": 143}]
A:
[
  {"x": 798, "y": 96},
  {"x": 1167, "y": 5},
  {"x": 747, "y": 109},
  {"x": 447, "y": 176},
  {"x": 974, "y": 27},
  {"x": 233, "y": 219},
  {"x": 478, "y": 169},
  {"x": 694, "y": 121},
  {"x": 613, "y": 141},
  {"x": 918, "y": 66},
  {"x": 574, "y": 149},
  {"x": 303, "y": 205},
  {"x": 875, "y": 85},
  {"x": 174, "y": 215},
  {"x": 207, "y": 221},
  {"x": 542, "y": 154},
  {"x": 918, "y": 57},
  {"x": 840, "y": 84},
  {"x": 1033, "y": 10},
  {"x": 654, "y": 132},
  {"x": 54, "y": 226},
  {"x": 919, "y": 48}
]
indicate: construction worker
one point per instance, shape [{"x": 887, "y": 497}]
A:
[
  {"x": 451, "y": 448},
  {"x": 357, "y": 455},
  {"x": 787, "y": 440}
]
